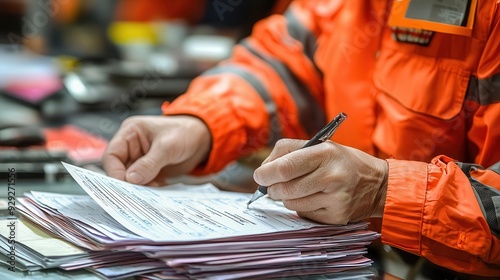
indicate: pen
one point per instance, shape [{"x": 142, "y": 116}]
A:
[{"x": 324, "y": 134}]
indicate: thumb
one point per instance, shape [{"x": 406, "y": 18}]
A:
[
  {"x": 147, "y": 167},
  {"x": 143, "y": 170}
]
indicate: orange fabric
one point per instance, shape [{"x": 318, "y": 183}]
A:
[
  {"x": 442, "y": 220},
  {"x": 404, "y": 101},
  {"x": 295, "y": 59}
]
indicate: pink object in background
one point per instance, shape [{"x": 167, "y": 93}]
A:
[{"x": 33, "y": 90}]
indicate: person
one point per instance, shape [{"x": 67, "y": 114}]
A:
[{"x": 423, "y": 111}]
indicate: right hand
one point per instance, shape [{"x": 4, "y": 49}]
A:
[{"x": 148, "y": 149}]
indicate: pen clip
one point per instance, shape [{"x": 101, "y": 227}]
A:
[{"x": 334, "y": 125}]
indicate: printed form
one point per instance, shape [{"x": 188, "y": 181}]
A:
[{"x": 179, "y": 216}]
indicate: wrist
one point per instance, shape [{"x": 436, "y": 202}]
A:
[
  {"x": 382, "y": 190},
  {"x": 205, "y": 137},
  {"x": 197, "y": 131}
]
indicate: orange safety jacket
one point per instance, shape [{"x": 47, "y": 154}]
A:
[{"x": 424, "y": 108}]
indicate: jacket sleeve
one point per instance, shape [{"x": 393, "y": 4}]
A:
[
  {"x": 433, "y": 210},
  {"x": 446, "y": 211},
  {"x": 270, "y": 88}
]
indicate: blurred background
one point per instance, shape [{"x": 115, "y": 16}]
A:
[
  {"x": 99, "y": 48},
  {"x": 72, "y": 70}
]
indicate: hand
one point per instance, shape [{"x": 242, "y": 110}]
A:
[
  {"x": 148, "y": 149},
  {"x": 328, "y": 183}
]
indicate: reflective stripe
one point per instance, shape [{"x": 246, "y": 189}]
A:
[
  {"x": 495, "y": 167},
  {"x": 484, "y": 91},
  {"x": 485, "y": 195},
  {"x": 496, "y": 204},
  {"x": 274, "y": 123},
  {"x": 311, "y": 115},
  {"x": 300, "y": 33}
]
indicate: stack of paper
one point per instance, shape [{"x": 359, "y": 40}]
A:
[
  {"x": 126, "y": 230},
  {"x": 34, "y": 249}
]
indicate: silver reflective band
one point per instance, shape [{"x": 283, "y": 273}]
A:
[
  {"x": 274, "y": 123},
  {"x": 311, "y": 115}
]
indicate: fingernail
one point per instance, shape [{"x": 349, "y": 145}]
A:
[{"x": 134, "y": 177}]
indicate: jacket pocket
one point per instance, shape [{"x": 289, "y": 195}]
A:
[{"x": 425, "y": 85}]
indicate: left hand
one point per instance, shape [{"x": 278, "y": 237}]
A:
[{"x": 328, "y": 183}]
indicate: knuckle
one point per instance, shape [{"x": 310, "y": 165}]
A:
[
  {"x": 132, "y": 124},
  {"x": 148, "y": 164},
  {"x": 130, "y": 121},
  {"x": 343, "y": 197},
  {"x": 286, "y": 190},
  {"x": 297, "y": 205},
  {"x": 280, "y": 191},
  {"x": 285, "y": 145},
  {"x": 284, "y": 169},
  {"x": 291, "y": 204},
  {"x": 281, "y": 142}
]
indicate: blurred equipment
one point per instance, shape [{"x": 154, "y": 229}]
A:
[
  {"x": 30, "y": 79},
  {"x": 89, "y": 84},
  {"x": 21, "y": 136},
  {"x": 35, "y": 163},
  {"x": 72, "y": 27}
]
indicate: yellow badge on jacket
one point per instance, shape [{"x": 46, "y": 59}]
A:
[{"x": 444, "y": 16}]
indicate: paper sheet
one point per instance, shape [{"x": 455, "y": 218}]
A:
[
  {"x": 86, "y": 210},
  {"x": 183, "y": 216},
  {"x": 39, "y": 241}
]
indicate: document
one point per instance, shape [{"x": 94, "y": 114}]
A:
[
  {"x": 123, "y": 230},
  {"x": 182, "y": 216},
  {"x": 33, "y": 248},
  {"x": 84, "y": 209}
]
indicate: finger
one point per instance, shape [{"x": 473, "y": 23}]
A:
[
  {"x": 138, "y": 144},
  {"x": 113, "y": 166},
  {"x": 115, "y": 158},
  {"x": 283, "y": 147},
  {"x": 287, "y": 167},
  {"x": 147, "y": 167},
  {"x": 170, "y": 171},
  {"x": 297, "y": 188},
  {"x": 306, "y": 204},
  {"x": 164, "y": 151},
  {"x": 324, "y": 216},
  {"x": 125, "y": 147}
]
